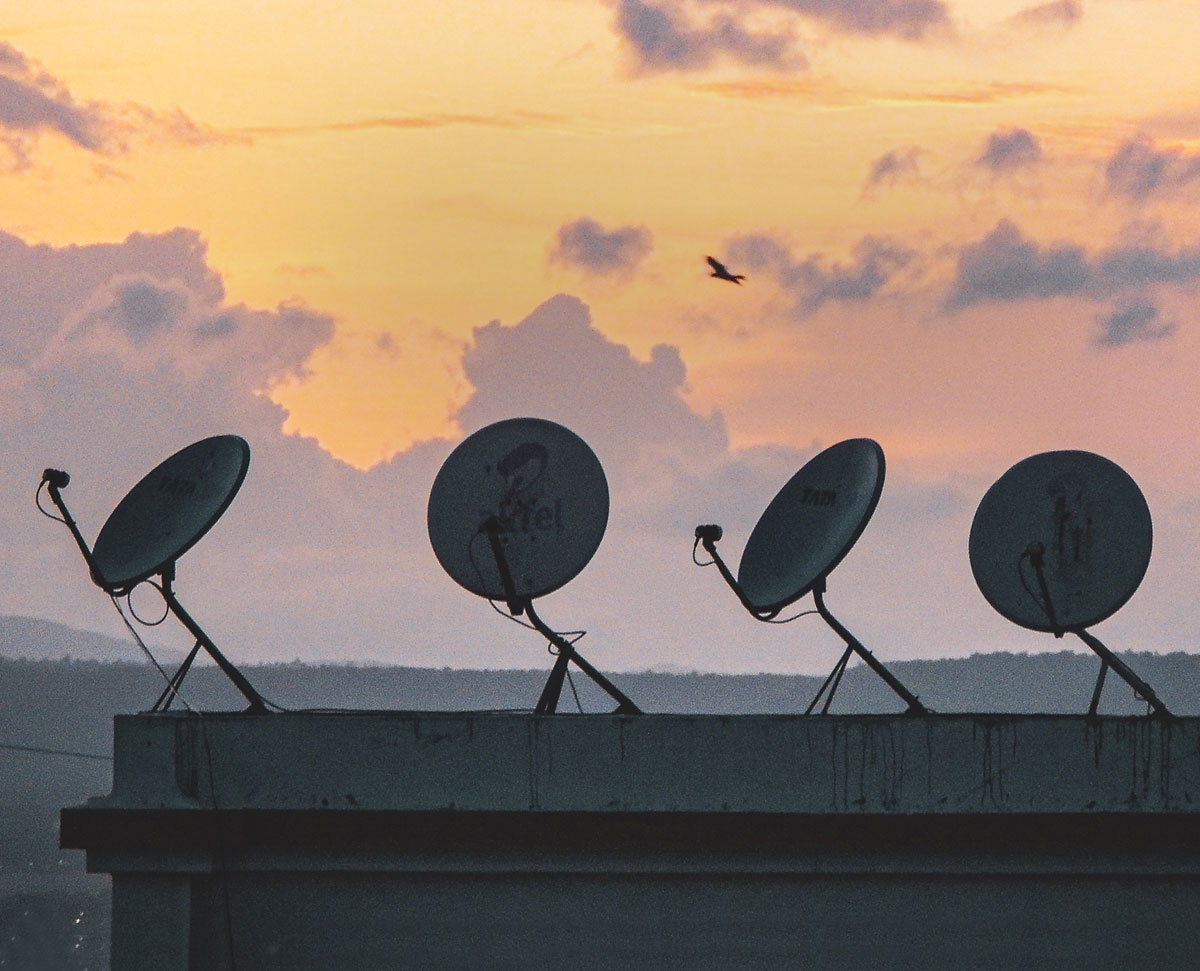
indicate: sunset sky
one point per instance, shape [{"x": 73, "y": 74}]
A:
[{"x": 970, "y": 230}]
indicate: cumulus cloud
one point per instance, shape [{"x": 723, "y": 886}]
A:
[
  {"x": 33, "y": 102},
  {"x": 586, "y": 245},
  {"x": 1006, "y": 265},
  {"x": 556, "y": 365},
  {"x": 139, "y": 333},
  {"x": 816, "y": 280},
  {"x": 1008, "y": 150},
  {"x": 1137, "y": 321},
  {"x": 893, "y": 167},
  {"x": 1139, "y": 169},
  {"x": 137, "y": 308},
  {"x": 680, "y": 35},
  {"x": 44, "y": 285}
]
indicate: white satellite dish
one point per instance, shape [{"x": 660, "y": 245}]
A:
[
  {"x": 805, "y": 532},
  {"x": 1059, "y": 543},
  {"x": 546, "y": 491},
  {"x": 160, "y": 519},
  {"x": 517, "y": 510},
  {"x": 169, "y": 510}
]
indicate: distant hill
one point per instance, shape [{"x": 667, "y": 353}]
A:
[
  {"x": 108, "y": 676},
  {"x": 44, "y": 640}
]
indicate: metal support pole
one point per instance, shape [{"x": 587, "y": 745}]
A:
[
  {"x": 55, "y": 482},
  {"x": 567, "y": 653},
  {"x": 172, "y": 689},
  {"x": 1123, "y": 671},
  {"x": 710, "y": 547},
  {"x": 914, "y": 706},
  {"x": 835, "y": 678},
  {"x": 548, "y": 702},
  {"x": 257, "y": 705},
  {"x": 1099, "y": 688}
]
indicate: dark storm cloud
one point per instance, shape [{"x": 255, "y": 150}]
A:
[
  {"x": 1139, "y": 169},
  {"x": 1063, "y": 13},
  {"x": 1137, "y": 321},
  {"x": 1005, "y": 265},
  {"x": 34, "y": 102},
  {"x": 678, "y": 35},
  {"x": 588, "y": 246},
  {"x": 816, "y": 280},
  {"x": 1008, "y": 150},
  {"x": 893, "y": 167}
]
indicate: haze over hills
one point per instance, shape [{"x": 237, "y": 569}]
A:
[
  {"x": 120, "y": 681},
  {"x": 44, "y": 640}
]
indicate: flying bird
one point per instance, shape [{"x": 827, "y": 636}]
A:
[{"x": 719, "y": 271}]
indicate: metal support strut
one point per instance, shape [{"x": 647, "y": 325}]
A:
[
  {"x": 852, "y": 643},
  {"x": 257, "y": 705},
  {"x": 707, "y": 536},
  {"x": 548, "y": 702},
  {"x": 1107, "y": 658}
]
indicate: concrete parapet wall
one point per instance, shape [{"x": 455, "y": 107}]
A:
[
  {"x": 384, "y": 840},
  {"x": 509, "y": 762}
]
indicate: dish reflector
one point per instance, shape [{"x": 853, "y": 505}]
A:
[
  {"x": 812, "y": 523},
  {"x": 547, "y": 494},
  {"x": 1086, "y": 521},
  {"x": 169, "y": 510}
]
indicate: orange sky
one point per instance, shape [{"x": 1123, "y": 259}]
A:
[
  {"x": 406, "y": 170},
  {"x": 411, "y": 172}
]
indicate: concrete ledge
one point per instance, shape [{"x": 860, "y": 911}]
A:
[
  {"x": 518, "y": 762},
  {"x": 176, "y": 831}
]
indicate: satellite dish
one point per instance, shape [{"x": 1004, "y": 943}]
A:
[
  {"x": 1091, "y": 524},
  {"x": 169, "y": 510},
  {"x": 806, "y": 531},
  {"x": 547, "y": 493},
  {"x": 1059, "y": 543},
  {"x": 811, "y": 524},
  {"x": 516, "y": 511},
  {"x": 160, "y": 519}
]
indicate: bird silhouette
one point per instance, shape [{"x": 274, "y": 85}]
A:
[{"x": 719, "y": 271}]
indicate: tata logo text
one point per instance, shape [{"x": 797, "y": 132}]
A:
[{"x": 818, "y": 497}]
